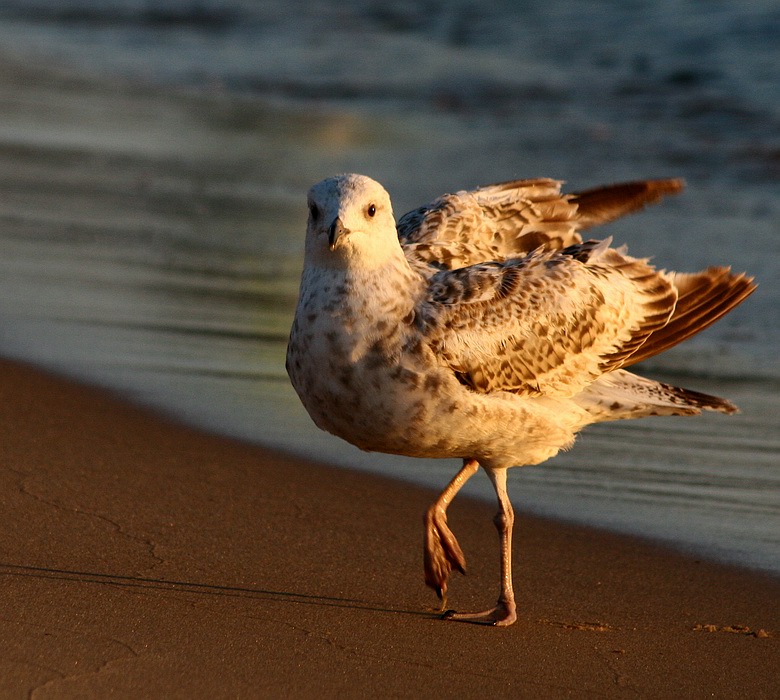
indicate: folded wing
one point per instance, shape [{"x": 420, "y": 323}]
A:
[{"x": 546, "y": 324}]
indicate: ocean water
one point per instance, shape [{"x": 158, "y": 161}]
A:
[{"x": 154, "y": 160}]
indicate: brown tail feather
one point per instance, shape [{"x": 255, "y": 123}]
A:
[
  {"x": 604, "y": 204},
  {"x": 697, "y": 399},
  {"x": 703, "y": 298}
]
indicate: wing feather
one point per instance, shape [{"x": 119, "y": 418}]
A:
[
  {"x": 703, "y": 298},
  {"x": 546, "y": 324},
  {"x": 601, "y": 205},
  {"x": 517, "y": 302},
  {"x": 511, "y": 219}
]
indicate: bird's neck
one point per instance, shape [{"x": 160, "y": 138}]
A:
[{"x": 358, "y": 294}]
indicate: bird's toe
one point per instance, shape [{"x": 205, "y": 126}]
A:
[{"x": 502, "y": 615}]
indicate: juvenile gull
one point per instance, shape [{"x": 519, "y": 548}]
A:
[{"x": 482, "y": 327}]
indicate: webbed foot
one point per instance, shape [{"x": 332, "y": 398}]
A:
[
  {"x": 502, "y": 615},
  {"x": 441, "y": 552}
]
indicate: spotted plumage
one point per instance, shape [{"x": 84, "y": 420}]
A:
[{"x": 482, "y": 327}]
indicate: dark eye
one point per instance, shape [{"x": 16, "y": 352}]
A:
[
  {"x": 371, "y": 210},
  {"x": 314, "y": 211}
]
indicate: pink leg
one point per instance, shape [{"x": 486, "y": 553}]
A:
[
  {"x": 441, "y": 551},
  {"x": 504, "y": 613}
]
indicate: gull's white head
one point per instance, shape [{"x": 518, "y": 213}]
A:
[{"x": 350, "y": 223}]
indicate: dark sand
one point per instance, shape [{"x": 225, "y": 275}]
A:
[{"x": 144, "y": 559}]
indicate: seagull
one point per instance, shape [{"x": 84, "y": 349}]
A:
[{"x": 482, "y": 327}]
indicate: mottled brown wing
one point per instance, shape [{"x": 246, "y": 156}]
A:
[
  {"x": 547, "y": 324},
  {"x": 511, "y": 219},
  {"x": 491, "y": 223}
]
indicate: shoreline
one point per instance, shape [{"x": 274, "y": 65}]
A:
[{"x": 145, "y": 558}]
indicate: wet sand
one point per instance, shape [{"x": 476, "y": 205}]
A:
[{"x": 141, "y": 558}]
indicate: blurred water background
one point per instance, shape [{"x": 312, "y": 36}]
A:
[{"x": 154, "y": 160}]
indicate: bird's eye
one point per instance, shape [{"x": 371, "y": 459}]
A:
[
  {"x": 314, "y": 211},
  {"x": 371, "y": 210}
]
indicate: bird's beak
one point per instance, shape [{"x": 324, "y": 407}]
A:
[{"x": 335, "y": 232}]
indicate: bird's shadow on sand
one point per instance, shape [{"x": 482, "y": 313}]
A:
[{"x": 205, "y": 589}]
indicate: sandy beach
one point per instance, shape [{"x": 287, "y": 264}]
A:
[{"x": 144, "y": 559}]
